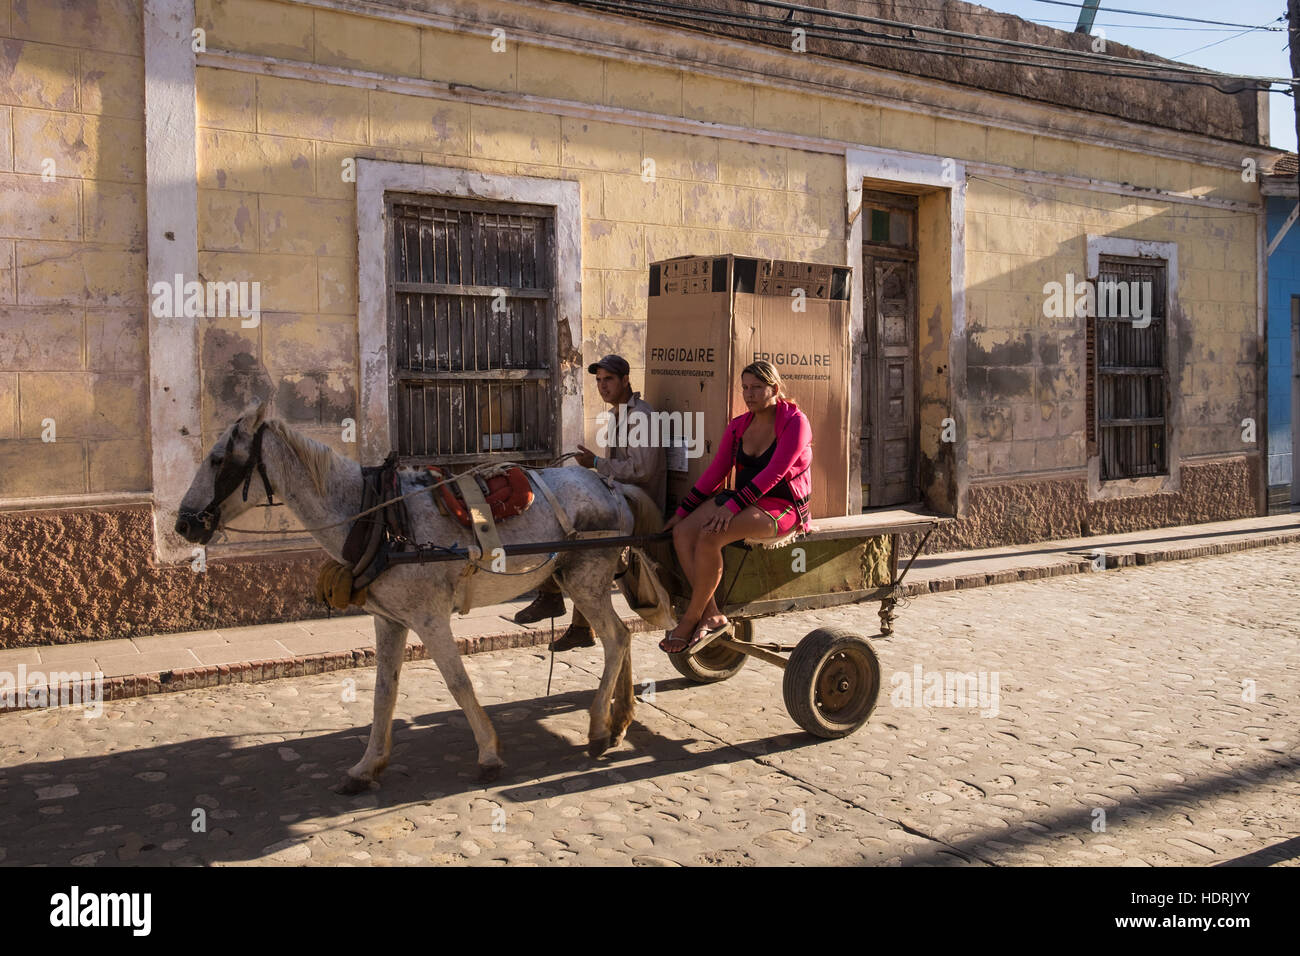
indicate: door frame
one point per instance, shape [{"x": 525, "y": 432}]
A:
[{"x": 884, "y": 169}]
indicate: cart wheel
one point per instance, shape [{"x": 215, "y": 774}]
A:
[
  {"x": 831, "y": 682},
  {"x": 715, "y": 662}
]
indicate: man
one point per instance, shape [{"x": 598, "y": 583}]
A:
[{"x": 642, "y": 464}]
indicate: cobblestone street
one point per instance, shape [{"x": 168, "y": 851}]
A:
[{"x": 1145, "y": 716}]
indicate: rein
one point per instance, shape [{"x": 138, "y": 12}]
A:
[{"x": 256, "y": 451}]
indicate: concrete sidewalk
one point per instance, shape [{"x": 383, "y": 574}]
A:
[
  {"x": 954, "y": 570},
  {"x": 167, "y": 662}
]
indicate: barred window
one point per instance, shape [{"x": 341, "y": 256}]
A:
[
  {"x": 1128, "y": 375},
  {"x": 471, "y": 317}
]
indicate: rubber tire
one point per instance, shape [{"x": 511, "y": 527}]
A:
[
  {"x": 715, "y": 663},
  {"x": 806, "y": 663}
]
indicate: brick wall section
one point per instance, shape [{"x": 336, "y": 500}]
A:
[
  {"x": 86, "y": 575},
  {"x": 1028, "y": 510},
  {"x": 1177, "y": 107},
  {"x": 73, "y": 337}
]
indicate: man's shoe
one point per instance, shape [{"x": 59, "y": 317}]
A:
[
  {"x": 575, "y": 636},
  {"x": 547, "y": 604}
]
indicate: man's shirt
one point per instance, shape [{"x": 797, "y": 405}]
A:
[{"x": 644, "y": 463}]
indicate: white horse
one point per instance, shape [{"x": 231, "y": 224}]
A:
[{"x": 258, "y": 454}]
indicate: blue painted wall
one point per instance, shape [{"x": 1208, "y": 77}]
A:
[{"x": 1283, "y": 282}]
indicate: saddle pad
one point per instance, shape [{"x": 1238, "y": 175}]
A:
[{"x": 508, "y": 494}]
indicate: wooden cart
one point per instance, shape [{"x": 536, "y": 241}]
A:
[{"x": 832, "y": 675}]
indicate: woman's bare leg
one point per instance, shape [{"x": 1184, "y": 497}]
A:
[
  {"x": 685, "y": 539},
  {"x": 706, "y": 570}
]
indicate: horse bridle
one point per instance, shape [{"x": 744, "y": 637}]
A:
[{"x": 230, "y": 476}]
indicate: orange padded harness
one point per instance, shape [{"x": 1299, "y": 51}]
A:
[{"x": 508, "y": 494}]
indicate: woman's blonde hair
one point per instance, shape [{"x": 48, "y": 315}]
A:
[{"x": 766, "y": 373}]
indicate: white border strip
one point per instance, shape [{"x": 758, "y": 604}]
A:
[{"x": 172, "y": 196}]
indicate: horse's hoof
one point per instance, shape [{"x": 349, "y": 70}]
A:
[
  {"x": 598, "y": 746},
  {"x": 487, "y": 772},
  {"x": 350, "y": 786}
]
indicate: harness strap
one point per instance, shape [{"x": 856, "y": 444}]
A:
[
  {"x": 255, "y": 455},
  {"x": 561, "y": 515},
  {"x": 480, "y": 513}
]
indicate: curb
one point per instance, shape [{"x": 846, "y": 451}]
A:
[
  {"x": 1114, "y": 559},
  {"x": 252, "y": 672}
]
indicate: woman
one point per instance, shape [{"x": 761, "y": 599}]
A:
[{"x": 770, "y": 446}]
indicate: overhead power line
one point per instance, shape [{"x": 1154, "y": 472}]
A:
[
  {"x": 1152, "y": 26},
  {"x": 793, "y": 8},
  {"x": 1030, "y": 54},
  {"x": 1217, "y": 42},
  {"x": 991, "y": 14},
  {"x": 1162, "y": 16}
]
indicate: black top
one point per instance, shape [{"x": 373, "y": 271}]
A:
[{"x": 748, "y": 467}]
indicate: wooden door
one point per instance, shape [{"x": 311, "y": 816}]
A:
[{"x": 889, "y": 427}]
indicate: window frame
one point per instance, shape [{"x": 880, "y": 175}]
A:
[
  {"x": 375, "y": 178},
  {"x": 1169, "y": 481},
  {"x": 1117, "y": 374},
  {"x": 480, "y": 377}
]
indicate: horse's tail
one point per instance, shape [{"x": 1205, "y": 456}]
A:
[{"x": 646, "y": 516}]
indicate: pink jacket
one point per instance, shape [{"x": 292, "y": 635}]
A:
[{"x": 792, "y": 459}]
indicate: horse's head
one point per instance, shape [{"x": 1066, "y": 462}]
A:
[{"x": 222, "y": 485}]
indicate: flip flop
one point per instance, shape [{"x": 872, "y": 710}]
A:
[
  {"x": 668, "y": 636},
  {"x": 702, "y": 641}
]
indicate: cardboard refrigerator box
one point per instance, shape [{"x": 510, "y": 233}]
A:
[
  {"x": 807, "y": 339},
  {"x": 710, "y": 316},
  {"x": 688, "y": 362}
]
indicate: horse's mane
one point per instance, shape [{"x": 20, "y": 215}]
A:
[{"x": 315, "y": 456}]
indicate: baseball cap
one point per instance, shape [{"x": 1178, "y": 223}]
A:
[{"x": 611, "y": 363}]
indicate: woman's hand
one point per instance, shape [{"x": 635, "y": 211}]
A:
[
  {"x": 719, "y": 522},
  {"x": 673, "y": 522}
]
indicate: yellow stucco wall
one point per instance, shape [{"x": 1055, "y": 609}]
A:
[
  {"x": 73, "y": 335},
  {"x": 266, "y": 138},
  {"x": 274, "y": 207}
]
